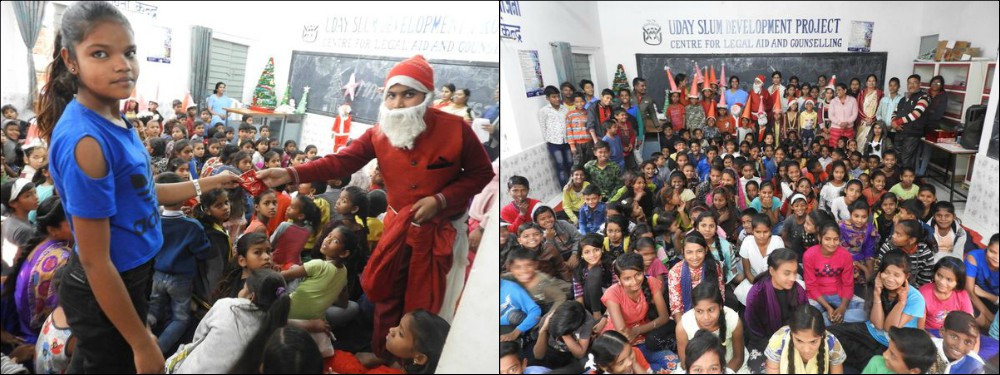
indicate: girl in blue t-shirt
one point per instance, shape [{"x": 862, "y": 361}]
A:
[
  {"x": 895, "y": 304},
  {"x": 102, "y": 173},
  {"x": 982, "y": 270}
]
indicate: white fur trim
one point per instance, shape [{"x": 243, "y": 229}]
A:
[{"x": 405, "y": 81}]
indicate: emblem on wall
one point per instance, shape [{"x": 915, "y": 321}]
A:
[
  {"x": 309, "y": 33},
  {"x": 651, "y": 33}
]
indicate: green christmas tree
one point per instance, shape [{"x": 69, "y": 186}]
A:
[
  {"x": 263, "y": 94},
  {"x": 302, "y": 103},
  {"x": 620, "y": 81},
  {"x": 288, "y": 92}
]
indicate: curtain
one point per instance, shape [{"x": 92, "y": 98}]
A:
[
  {"x": 29, "y": 20},
  {"x": 201, "y": 42},
  {"x": 563, "y": 55}
]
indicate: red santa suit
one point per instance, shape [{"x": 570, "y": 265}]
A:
[
  {"x": 755, "y": 100},
  {"x": 415, "y": 266}
]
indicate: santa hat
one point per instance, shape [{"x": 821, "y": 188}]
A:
[
  {"x": 711, "y": 76},
  {"x": 831, "y": 84},
  {"x": 414, "y": 72},
  {"x": 809, "y": 101},
  {"x": 670, "y": 77},
  {"x": 722, "y": 102},
  {"x": 722, "y": 76},
  {"x": 760, "y": 78}
]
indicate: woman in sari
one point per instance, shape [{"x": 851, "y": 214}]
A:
[{"x": 868, "y": 107}]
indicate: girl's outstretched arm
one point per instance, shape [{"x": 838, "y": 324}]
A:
[{"x": 169, "y": 194}]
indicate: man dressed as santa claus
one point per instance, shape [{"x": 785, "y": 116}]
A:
[
  {"x": 432, "y": 164},
  {"x": 758, "y": 101}
]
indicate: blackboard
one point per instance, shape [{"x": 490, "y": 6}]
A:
[
  {"x": 807, "y": 66},
  {"x": 327, "y": 73}
]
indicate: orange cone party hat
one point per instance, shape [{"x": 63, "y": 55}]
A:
[
  {"x": 832, "y": 83},
  {"x": 670, "y": 77},
  {"x": 711, "y": 113},
  {"x": 722, "y": 101},
  {"x": 722, "y": 76},
  {"x": 746, "y": 111},
  {"x": 693, "y": 93},
  {"x": 711, "y": 76},
  {"x": 706, "y": 82}
]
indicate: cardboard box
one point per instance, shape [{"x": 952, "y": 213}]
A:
[
  {"x": 960, "y": 49},
  {"x": 941, "y": 51}
]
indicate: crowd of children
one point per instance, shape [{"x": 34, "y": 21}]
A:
[
  {"x": 792, "y": 233},
  {"x": 242, "y": 283}
]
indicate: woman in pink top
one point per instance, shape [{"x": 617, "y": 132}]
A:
[
  {"x": 843, "y": 112},
  {"x": 946, "y": 294}
]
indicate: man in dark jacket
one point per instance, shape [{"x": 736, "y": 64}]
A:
[
  {"x": 937, "y": 100},
  {"x": 909, "y": 121}
]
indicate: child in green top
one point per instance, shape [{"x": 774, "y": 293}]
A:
[
  {"x": 916, "y": 357},
  {"x": 906, "y": 189}
]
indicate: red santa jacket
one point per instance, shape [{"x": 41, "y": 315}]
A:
[
  {"x": 756, "y": 100},
  {"x": 447, "y": 159}
]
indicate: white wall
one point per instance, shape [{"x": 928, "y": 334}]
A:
[
  {"x": 982, "y": 211},
  {"x": 576, "y": 23}
]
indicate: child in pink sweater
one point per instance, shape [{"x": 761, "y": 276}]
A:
[{"x": 829, "y": 274}]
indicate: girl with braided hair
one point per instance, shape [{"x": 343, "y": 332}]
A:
[{"x": 804, "y": 346}]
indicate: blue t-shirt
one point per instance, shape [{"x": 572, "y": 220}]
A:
[
  {"x": 514, "y": 298},
  {"x": 125, "y": 195},
  {"x": 759, "y": 206},
  {"x": 914, "y": 307},
  {"x": 217, "y": 104},
  {"x": 986, "y": 278},
  {"x": 617, "y": 151},
  {"x": 739, "y": 97}
]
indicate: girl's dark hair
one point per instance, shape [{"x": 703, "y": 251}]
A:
[
  {"x": 703, "y": 342},
  {"x": 566, "y": 319},
  {"x": 840, "y": 164},
  {"x": 174, "y": 163},
  {"x": 159, "y": 146},
  {"x": 50, "y": 215},
  {"x": 633, "y": 261},
  {"x": 956, "y": 266},
  {"x": 760, "y": 219},
  {"x": 227, "y": 152},
  {"x": 597, "y": 241},
  {"x": 178, "y": 147},
  {"x": 270, "y": 296},
  {"x": 843, "y": 192},
  {"x": 310, "y": 147},
  {"x": 239, "y": 157},
  {"x": 775, "y": 260},
  {"x": 708, "y": 289},
  {"x": 312, "y": 214},
  {"x": 289, "y": 350},
  {"x": 207, "y": 200},
  {"x": 940, "y": 205},
  {"x": 517, "y": 180},
  {"x": 359, "y": 199},
  {"x": 860, "y": 204},
  {"x": 606, "y": 348},
  {"x": 821, "y": 218},
  {"x": 886, "y": 196},
  {"x": 896, "y": 258},
  {"x": 271, "y": 154},
  {"x": 39, "y": 178},
  {"x": 704, "y": 241},
  {"x": 621, "y": 222},
  {"x": 217, "y": 84},
  {"x": 248, "y": 142},
  {"x": 826, "y": 227},
  {"x": 429, "y": 334},
  {"x": 290, "y": 143},
  {"x": 356, "y": 260},
  {"x": 807, "y": 317},
  {"x": 258, "y": 198},
  {"x": 542, "y": 209},
  {"x": 77, "y": 21},
  {"x": 377, "y": 203},
  {"x": 233, "y": 271},
  {"x": 912, "y": 228},
  {"x": 644, "y": 242}
]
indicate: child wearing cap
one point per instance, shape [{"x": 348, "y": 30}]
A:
[{"x": 19, "y": 198}]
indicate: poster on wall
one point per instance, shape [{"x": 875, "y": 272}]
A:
[
  {"x": 159, "y": 40},
  {"x": 995, "y": 139},
  {"x": 861, "y": 36},
  {"x": 531, "y": 69}
]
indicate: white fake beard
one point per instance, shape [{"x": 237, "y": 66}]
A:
[
  {"x": 757, "y": 87},
  {"x": 402, "y": 126}
]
